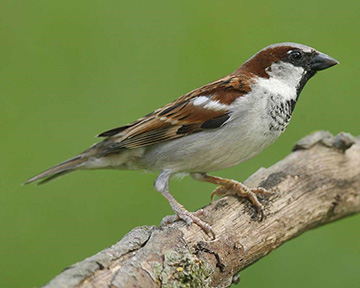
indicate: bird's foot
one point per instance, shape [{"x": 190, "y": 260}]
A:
[
  {"x": 189, "y": 218},
  {"x": 239, "y": 189}
]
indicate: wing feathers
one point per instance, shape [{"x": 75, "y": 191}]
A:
[
  {"x": 114, "y": 131},
  {"x": 215, "y": 122},
  {"x": 207, "y": 107}
]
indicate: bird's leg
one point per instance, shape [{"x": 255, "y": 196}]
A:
[
  {"x": 235, "y": 188},
  {"x": 162, "y": 185}
]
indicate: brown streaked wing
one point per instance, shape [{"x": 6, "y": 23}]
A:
[{"x": 179, "y": 118}]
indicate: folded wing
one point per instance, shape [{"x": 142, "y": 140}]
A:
[{"x": 208, "y": 107}]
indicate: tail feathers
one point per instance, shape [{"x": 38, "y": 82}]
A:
[{"x": 58, "y": 170}]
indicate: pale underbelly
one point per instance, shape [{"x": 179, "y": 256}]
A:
[{"x": 209, "y": 151}]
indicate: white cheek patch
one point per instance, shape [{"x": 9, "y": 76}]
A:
[
  {"x": 278, "y": 87},
  {"x": 287, "y": 73},
  {"x": 207, "y": 103},
  {"x": 284, "y": 80}
]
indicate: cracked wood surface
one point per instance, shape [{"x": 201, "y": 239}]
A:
[{"x": 319, "y": 182}]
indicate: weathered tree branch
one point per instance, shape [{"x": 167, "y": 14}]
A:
[{"x": 316, "y": 184}]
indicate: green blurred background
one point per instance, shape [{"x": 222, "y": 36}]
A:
[{"x": 72, "y": 69}]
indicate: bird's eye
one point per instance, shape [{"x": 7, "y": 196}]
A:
[{"x": 296, "y": 55}]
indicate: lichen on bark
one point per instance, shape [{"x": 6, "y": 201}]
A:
[{"x": 182, "y": 269}]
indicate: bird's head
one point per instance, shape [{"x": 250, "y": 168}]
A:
[{"x": 293, "y": 64}]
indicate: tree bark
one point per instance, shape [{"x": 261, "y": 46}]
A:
[{"x": 319, "y": 182}]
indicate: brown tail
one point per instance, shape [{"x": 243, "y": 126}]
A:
[{"x": 58, "y": 170}]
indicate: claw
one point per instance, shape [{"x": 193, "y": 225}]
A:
[
  {"x": 168, "y": 220},
  {"x": 241, "y": 190},
  {"x": 189, "y": 219},
  {"x": 260, "y": 211},
  {"x": 261, "y": 191},
  {"x": 260, "y": 208},
  {"x": 219, "y": 191},
  {"x": 201, "y": 212},
  {"x": 251, "y": 194},
  {"x": 261, "y": 214}
]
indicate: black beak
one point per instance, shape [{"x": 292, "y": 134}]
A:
[{"x": 322, "y": 61}]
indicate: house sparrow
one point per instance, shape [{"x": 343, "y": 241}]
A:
[{"x": 216, "y": 126}]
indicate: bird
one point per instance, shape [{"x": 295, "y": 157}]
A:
[{"x": 216, "y": 126}]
